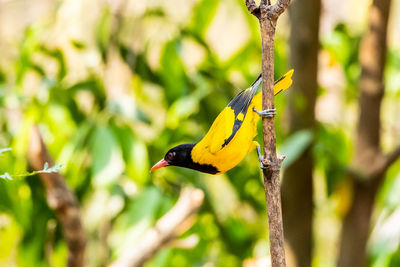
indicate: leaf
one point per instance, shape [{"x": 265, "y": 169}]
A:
[
  {"x": 172, "y": 71},
  {"x": 332, "y": 154},
  {"x": 55, "y": 168},
  {"x": 140, "y": 214},
  {"x": 78, "y": 44},
  {"x": 103, "y": 32},
  {"x": 58, "y": 55},
  {"x": 107, "y": 162},
  {"x": 203, "y": 14},
  {"x": 181, "y": 109},
  {"x": 144, "y": 206},
  {"x": 2, "y": 150},
  {"x": 295, "y": 145},
  {"x": 135, "y": 155},
  {"x": 6, "y": 176}
]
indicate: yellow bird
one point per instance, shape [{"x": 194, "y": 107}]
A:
[{"x": 231, "y": 135}]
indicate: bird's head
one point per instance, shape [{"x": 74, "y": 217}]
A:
[{"x": 177, "y": 156}]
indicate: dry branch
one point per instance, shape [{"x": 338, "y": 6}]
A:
[
  {"x": 61, "y": 199},
  {"x": 268, "y": 15},
  {"x": 164, "y": 231}
]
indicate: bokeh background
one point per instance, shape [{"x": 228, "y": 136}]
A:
[{"x": 112, "y": 85}]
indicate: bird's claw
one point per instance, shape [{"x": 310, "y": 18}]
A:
[
  {"x": 266, "y": 113},
  {"x": 260, "y": 158}
]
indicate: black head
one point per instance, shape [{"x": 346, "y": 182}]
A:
[
  {"x": 177, "y": 156},
  {"x": 181, "y": 156}
]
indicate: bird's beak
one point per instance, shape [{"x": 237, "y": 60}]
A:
[{"x": 160, "y": 164}]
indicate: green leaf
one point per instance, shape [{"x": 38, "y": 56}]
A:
[
  {"x": 295, "y": 145},
  {"x": 135, "y": 155},
  {"x": 181, "y": 109},
  {"x": 107, "y": 162},
  {"x": 172, "y": 71},
  {"x": 332, "y": 154},
  {"x": 140, "y": 215},
  {"x": 103, "y": 32},
  {"x": 144, "y": 206},
  {"x": 6, "y": 176},
  {"x": 2, "y": 150},
  {"x": 58, "y": 55},
  {"x": 78, "y": 44},
  {"x": 204, "y": 12}
]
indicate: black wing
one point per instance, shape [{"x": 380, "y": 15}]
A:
[{"x": 239, "y": 105}]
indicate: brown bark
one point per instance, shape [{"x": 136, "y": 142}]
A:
[
  {"x": 368, "y": 159},
  {"x": 164, "y": 231},
  {"x": 356, "y": 226},
  {"x": 297, "y": 186},
  {"x": 268, "y": 15},
  {"x": 61, "y": 199}
]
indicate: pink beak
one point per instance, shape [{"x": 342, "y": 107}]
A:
[{"x": 160, "y": 164}]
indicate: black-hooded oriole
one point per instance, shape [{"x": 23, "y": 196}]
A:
[{"x": 230, "y": 137}]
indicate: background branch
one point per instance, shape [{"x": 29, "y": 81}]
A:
[
  {"x": 164, "y": 231},
  {"x": 367, "y": 157},
  {"x": 389, "y": 159},
  {"x": 61, "y": 199},
  {"x": 297, "y": 182}
]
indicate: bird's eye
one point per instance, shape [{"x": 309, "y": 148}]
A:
[{"x": 171, "y": 155}]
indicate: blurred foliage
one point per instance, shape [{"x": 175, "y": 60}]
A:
[{"x": 107, "y": 137}]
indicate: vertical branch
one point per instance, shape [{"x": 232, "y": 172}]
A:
[
  {"x": 272, "y": 173},
  {"x": 268, "y": 16},
  {"x": 297, "y": 185},
  {"x": 61, "y": 199},
  {"x": 368, "y": 158}
]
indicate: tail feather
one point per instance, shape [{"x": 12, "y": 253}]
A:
[
  {"x": 284, "y": 82},
  {"x": 279, "y": 86}
]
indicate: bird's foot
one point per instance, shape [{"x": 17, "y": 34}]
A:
[
  {"x": 266, "y": 113},
  {"x": 260, "y": 158}
]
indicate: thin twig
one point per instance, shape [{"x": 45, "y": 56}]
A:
[
  {"x": 164, "y": 231},
  {"x": 61, "y": 199}
]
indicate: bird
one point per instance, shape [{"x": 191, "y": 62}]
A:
[{"x": 231, "y": 135}]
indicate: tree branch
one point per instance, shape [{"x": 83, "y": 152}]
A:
[
  {"x": 385, "y": 162},
  {"x": 61, "y": 199},
  {"x": 268, "y": 18},
  {"x": 253, "y": 8},
  {"x": 391, "y": 158},
  {"x": 279, "y": 7},
  {"x": 368, "y": 158},
  {"x": 164, "y": 231},
  {"x": 376, "y": 169}
]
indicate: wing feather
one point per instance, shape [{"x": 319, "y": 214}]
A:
[{"x": 229, "y": 121}]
